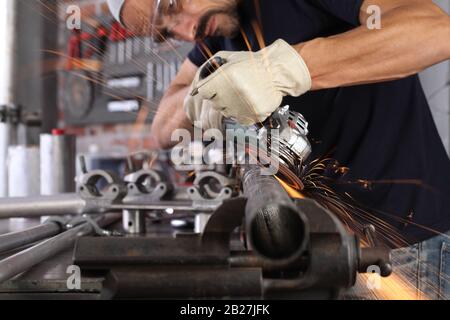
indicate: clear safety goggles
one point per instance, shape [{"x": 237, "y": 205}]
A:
[{"x": 164, "y": 19}]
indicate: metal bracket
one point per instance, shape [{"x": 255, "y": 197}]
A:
[
  {"x": 148, "y": 185},
  {"x": 211, "y": 189},
  {"x": 97, "y": 230}
]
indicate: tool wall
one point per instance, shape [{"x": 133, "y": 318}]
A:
[{"x": 110, "y": 75}]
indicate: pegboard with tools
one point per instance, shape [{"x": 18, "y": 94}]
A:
[{"x": 110, "y": 75}]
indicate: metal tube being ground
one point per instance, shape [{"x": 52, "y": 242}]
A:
[
  {"x": 276, "y": 229},
  {"x": 30, "y": 207},
  {"x": 18, "y": 239},
  {"x": 25, "y": 260}
]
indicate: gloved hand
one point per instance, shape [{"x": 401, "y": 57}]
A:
[
  {"x": 251, "y": 86},
  {"x": 204, "y": 115}
]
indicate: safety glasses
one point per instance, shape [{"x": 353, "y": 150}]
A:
[{"x": 164, "y": 19}]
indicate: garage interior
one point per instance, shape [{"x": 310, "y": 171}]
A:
[{"x": 90, "y": 209}]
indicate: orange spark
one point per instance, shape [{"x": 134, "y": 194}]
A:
[{"x": 295, "y": 194}]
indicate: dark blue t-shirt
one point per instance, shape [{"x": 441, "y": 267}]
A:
[{"x": 382, "y": 132}]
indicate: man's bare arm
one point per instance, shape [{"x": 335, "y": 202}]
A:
[
  {"x": 171, "y": 115},
  {"x": 415, "y": 34}
]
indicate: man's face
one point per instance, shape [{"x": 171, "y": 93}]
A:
[{"x": 187, "y": 20}]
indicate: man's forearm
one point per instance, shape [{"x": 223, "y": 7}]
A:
[
  {"x": 170, "y": 116},
  {"x": 412, "y": 38}
]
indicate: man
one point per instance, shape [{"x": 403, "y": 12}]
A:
[{"x": 356, "y": 84}]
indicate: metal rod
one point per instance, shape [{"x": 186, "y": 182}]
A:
[
  {"x": 19, "y": 239},
  {"x": 58, "y": 167},
  {"x": 73, "y": 204},
  {"x": 161, "y": 206},
  {"x": 169, "y": 283},
  {"x": 276, "y": 229},
  {"x": 8, "y": 88},
  {"x": 29, "y": 207},
  {"x": 9, "y": 35},
  {"x": 25, "y": 260},
  {"x": 248, "y": 260},
  {"x": 134, "y": 221}
]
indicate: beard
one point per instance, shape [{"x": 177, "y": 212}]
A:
[{"x": 228, "y": 29}]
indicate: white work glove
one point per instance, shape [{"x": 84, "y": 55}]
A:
[
  {"x": 251, "y": 86},
  {"x": 203, "y": 115}
]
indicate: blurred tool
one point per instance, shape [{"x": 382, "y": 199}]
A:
[
  {"x": 114, "y": 74},
  {"x": 23, "y": 171},
  {"x": 8, "y": 136},
  {"x": 8, "y": 74}
]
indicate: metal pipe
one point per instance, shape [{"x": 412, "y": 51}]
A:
[
  {"x": 25, "y": 260},
  {"x": 4, "y": 144},
  {"x": 134, "y": 222},
  {"x": 170, "y": 283},
  {"x": 8, "y": 34},
  {"x": 19, "y": 239},
  {"x": 29, "y": 207},
  {"x": 177, "y": 206},
  {"x": 276, "y": 229},
  {"x": 73, "y": 204},
  {"x": 248, "y": 260},
  {"x": 58, "y": 167}
]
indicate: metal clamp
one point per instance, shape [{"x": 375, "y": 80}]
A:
[
  {"x": 211, "y": 187},
  {"x": 89, "y": 181},
  {"x": 88, "y": 189},
  {"x": 147, "y": 183}
]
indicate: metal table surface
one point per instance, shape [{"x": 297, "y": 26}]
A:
[{"x": 48, "y": 280}]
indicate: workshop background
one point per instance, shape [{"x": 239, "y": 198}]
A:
[
  {"x": 102, "y": 86},
  {"x": 47, "y": 86},
  {"x": 42, "y": 77}
]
